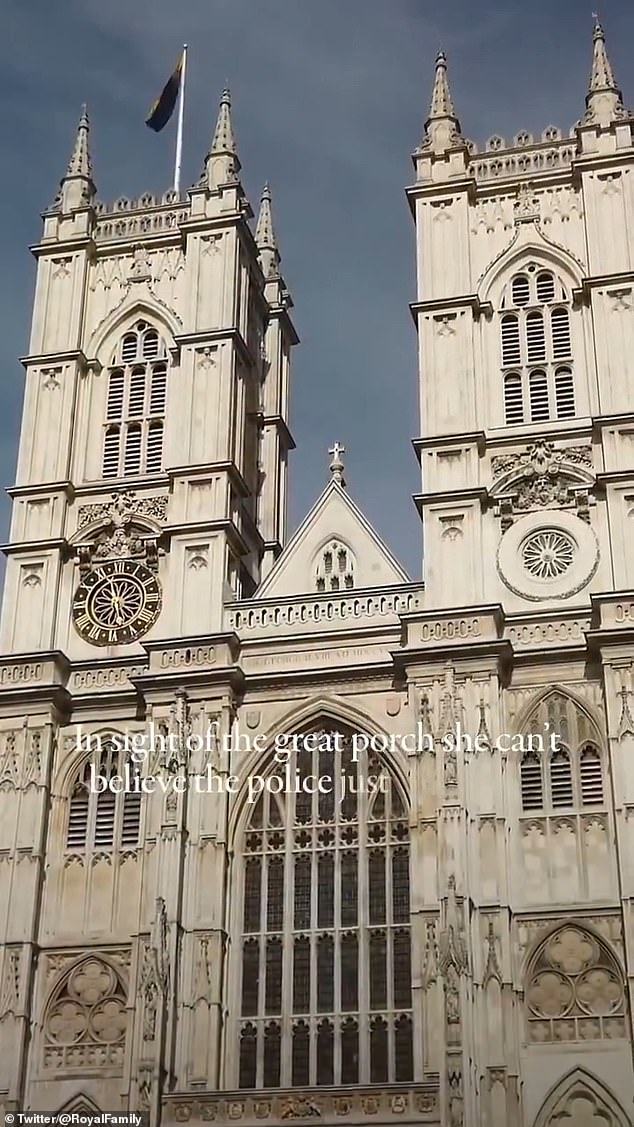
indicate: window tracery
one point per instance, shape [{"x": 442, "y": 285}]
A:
[
  {"x": 575, "y": 989},
  {"x": 536, "y": 348},
  {"x": 135, "y": 405},
  {"x": 86, "y": 1019},
  {"x": 325, "y": 953},
  {"x": 567, "y": 773},
  {"x": 102, "y": 821}
]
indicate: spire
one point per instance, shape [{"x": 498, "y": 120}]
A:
[
  {"x": 222, "y": 164},
  {"x": 604, "y": 101},
  {"x": 77, "y": 188},
  {"x": 224, "y": 140},
  {"x": 442, "y": 128},
  {"x": 265, "y": 235},
  {"x": 441, "y": 101}
]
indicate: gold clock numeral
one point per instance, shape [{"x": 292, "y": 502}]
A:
[
  {"x": 82, "y": 621},
  {"x": 145, "y": 615}
]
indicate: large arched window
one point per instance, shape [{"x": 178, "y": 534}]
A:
[
  {"x": 102, "y": 820},
  {"x": 135, "y": 407},
  {"x": 536, "y": 348},
  {"x": 325, "y": 974}
]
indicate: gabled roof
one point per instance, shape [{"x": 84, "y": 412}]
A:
[{"x": 334, "y": 518}]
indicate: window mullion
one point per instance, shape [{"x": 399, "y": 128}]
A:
[
  {"x": 288, "y": 926},
  {"x": 92, "y": 816},
  {"x": 363, "y": 930},
  {"x": 337, "y": 935}
]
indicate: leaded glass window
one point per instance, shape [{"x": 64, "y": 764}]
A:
[{"x": 325, "y": 960}]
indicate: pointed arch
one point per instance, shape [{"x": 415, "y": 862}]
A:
[
  {"x": 81, "y": 1104},
  {"x": 85, "y": 1015},
  {"x": 525, "y": 716},
  {"x": 149, "y": 309},
  {"x": 574, "y": 987},
  {"x": 320, "y": 916},
  {"x": 581, "y": 1086},
  {"x": 98, "y": 822},
  {"x": 326, "y": 711},
  {"x": 521, "y": 249}
]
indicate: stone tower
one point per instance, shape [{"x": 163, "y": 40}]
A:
[
  {"x": 525, "y": 322},
  {"x": 455, "y": 948}
]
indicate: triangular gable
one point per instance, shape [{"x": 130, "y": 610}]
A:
[{"x": 333, "y": 521}]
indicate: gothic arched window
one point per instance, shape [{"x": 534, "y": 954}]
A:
[
  {"x": 325, "y": 965},
  {"x": 135, "y": 406},
  {"x": 566, "y": 773},
  {"x": 101, "y": 820},
  {"x": 535, "y": 338}
]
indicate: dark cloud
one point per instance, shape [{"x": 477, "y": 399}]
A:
[{"x": 329, "y": 100}]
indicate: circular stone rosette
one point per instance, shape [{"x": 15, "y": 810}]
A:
[{"x": 547, "y": 556}]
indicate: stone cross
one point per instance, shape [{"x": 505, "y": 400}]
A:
[{"x": 336, "y": 466}]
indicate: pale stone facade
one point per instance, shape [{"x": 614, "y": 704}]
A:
[{"x": 198, "y": 957}]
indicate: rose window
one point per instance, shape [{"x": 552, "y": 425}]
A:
[{"x": 548, "y": 554}]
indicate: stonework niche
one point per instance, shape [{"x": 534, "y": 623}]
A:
[
  {"x": 574, "y": 990},
  {"x": 86, "y": 1020}
]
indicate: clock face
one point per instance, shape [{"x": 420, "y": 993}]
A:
[{"x": 116, "y": 603}]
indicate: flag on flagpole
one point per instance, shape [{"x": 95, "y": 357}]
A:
[{"x": 163, "y": 107}]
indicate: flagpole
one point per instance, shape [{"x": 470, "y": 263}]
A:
[{"x": 179, "y": 127}]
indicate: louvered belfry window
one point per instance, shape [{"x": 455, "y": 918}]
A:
[
  {"x": 325, "y": 960},
  {"x": 102, "y": 821},
  {"x": 568, "y": 775},
  {"x": 135, "y": 405},
  {"x": 536, "y": 349}
]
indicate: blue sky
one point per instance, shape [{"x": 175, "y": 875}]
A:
[{"x": 329, "y": 100}]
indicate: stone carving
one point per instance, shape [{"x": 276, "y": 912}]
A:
[
  {"x": 452, "y": 947},
  {"x": 9, "y": 762},
  {"x": 179, "y": 729},
  {"x": 144, "y": 1096},
  {"x": 450, "y": 713},
  {"x": 299, "y": 1107},
  {"x": 542, "y": 477},
  {"x": 202, "y": 972},
  {"x": 455, "y": 1098},
  {"x": 10, "y": 986},
  {"x": 121, "y": 538},
  {"x": 140, "y": 267},
  {"x": 51, "y": 378},
  {"x": 86, "y": 1021},
  {"x": 154, "y": 971},
  {"x": 483, "y": 736},
  {"x": 575, "y": 990},
  {"x": 426, "y": 725},
  {"x": 430, "y": 958},
  {"x": 122, "y": 507},
  {"x": 527, "y": 205},
  {"x": 492, "y": 966},
  {"x": 626, "y": 721}
]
